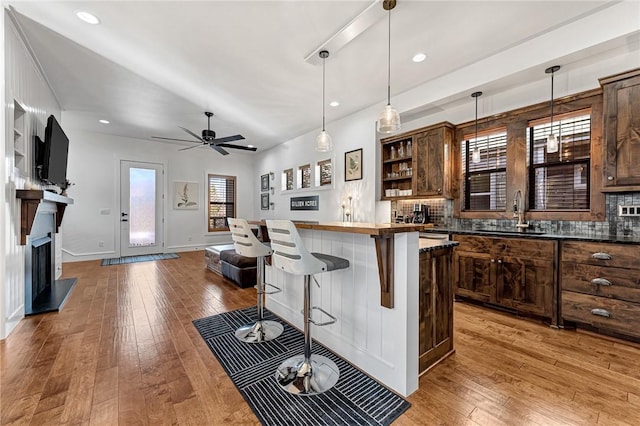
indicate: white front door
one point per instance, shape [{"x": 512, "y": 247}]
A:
[{"x": 141, "y": 208}]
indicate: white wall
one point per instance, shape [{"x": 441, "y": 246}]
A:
[
  {"x": 94, "y": 167},
  {"x": 24, "y": 82}
]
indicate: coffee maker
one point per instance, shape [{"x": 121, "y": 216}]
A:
[{"x": 420, "y": 213}]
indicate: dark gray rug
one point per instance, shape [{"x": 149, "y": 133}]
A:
[
  {"x": 134, "y": 259},
  {"x": 356, "y": 399}
]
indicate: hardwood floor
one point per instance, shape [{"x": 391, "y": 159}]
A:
[{"x": 123, "y": 351}]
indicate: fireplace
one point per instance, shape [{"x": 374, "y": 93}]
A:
[
  {"x": 42, "y": 266},
  {"x": 43, "y": 293}
]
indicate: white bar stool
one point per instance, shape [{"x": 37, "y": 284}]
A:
[
  {"x": 246, "y": 244},
  {"x": 306, "y": 374}
]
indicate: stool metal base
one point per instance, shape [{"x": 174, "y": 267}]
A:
[
  {"x": 299, "y": 377},
  {"x": 260, "y": 331}
]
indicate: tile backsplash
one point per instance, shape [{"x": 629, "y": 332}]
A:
[{"x": 441, "y": 212}]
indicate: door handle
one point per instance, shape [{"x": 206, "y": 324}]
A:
[
  {"x": 123, "y": 214},
  {"x": 601, "y": 256},
  {"x": 601, "y": 281},
  {"x": 124, "y": 220},
  {"x": 601, "y": 312}
]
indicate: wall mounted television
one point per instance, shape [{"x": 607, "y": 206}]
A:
[{"x": 52, "y": 155}]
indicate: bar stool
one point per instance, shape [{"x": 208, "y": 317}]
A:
[
  {"x": 305, "y": 374},
  {"x": 246, "y": 244}
]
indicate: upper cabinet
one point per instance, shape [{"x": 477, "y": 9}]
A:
[
  {"x": 417, "y": 164},
  {"x": 621, "y": 131}
]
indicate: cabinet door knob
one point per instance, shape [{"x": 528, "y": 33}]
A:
[
  {"x": 493, "y": 261},
  {"x": 609, "y": 177},
  {"x": 601, "y": 256},
  {"x": 600, "y": 281},
  {"x": 499, "y": 260},
  {"x": 601, "y": 312}
]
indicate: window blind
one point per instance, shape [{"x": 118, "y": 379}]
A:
[
  {"x": 560, "y": 180},
  {"x": 221, "y": 201},
  {"x": 485, "y": 182}
]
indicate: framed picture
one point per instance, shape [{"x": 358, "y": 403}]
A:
[
  {"x": 264, "y": 183},
  {"x": 353, "y": 165},
  {"x": 264, "y": 201},
  {"x": 185, "y": 195}
]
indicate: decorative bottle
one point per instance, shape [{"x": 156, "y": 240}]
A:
[
  {"x": 393, "y": 153},
  {"x": 409, "y": 153},
  {"x": 401, "y": 150}
]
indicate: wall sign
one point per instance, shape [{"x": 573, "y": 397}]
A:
[{"x": 305, "y": 203}]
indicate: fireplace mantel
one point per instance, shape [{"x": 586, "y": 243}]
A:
[{"x": 31, "y": 200}]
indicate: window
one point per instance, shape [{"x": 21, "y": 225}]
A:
[
  {"x": 221, "y": 192},
  {"x": 304, "y": 176},
  {"x": 560, "y": 180},
  {"x": 484, "y": 186},
  {"x": 287, "y": 180},
  {"x": 323, "y": 173}
]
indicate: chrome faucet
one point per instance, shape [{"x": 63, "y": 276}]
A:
[{"x": 518, "y": 210}]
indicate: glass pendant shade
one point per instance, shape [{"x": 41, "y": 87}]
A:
[
  {"x": 324, "y": 142},
  {"x": 552, "y": 143},
  {"x": 389, "y": 120},
  {"x": 475, "y": 155}
]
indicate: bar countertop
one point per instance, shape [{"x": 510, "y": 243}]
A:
[{"x": 357, "y": 227}]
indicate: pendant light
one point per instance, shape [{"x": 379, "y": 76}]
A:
[
  {"x": 323, "y": 141},
  {"x": 389, "y": 119},
  {"x": 552, "y": 140},
  {"x": 475, "y": 154}
]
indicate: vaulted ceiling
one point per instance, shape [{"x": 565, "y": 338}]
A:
[{"x": 150, "y": 67}]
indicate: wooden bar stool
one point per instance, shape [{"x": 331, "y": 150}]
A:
[
  {"x": 247, "y": 244},
  {"x": 305, "y": 374}
]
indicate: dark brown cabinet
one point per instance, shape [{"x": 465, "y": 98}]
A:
[
  {"x": 436, "y": 307},
  {"x": 513, "y": 273},
  {"x": 621, "y": 98},
  {"x": 600, "y": 285},
  {"x": 417, "y": 164},
  {"x": 433, "y": 165}
]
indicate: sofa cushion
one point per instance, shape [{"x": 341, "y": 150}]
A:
[{"x": 235, "y": 259}]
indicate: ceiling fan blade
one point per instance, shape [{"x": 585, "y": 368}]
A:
[
  {"x": 220, "y": 150},
  {"x": 172, "y": 139},
  {"x": 229, "y": 145},
  {"x": 193, "y": 134},
  {"x": 189, "y": 147},
  {"x": 228, "y": 139}
]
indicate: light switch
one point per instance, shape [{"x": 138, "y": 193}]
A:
[{"x": 105, "y": 211}]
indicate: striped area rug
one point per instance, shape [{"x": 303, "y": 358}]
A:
[
  {"x": 356, "y": 399},
  {"x": 134, "y": 259}
]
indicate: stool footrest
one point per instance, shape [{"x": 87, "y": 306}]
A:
[
  {"x": 277, "y": 289},
  {"x": 321, "y": 324}
]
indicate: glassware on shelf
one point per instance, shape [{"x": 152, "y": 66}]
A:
[
  {"x": 401, "y": 150},
  {"x": 409, "y": 153},
  {"x": 393, "y": 153}
]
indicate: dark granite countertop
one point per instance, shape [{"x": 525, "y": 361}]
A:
[
  {"x": 427, "y": 244},
  {"x": 514, "y": 233}
]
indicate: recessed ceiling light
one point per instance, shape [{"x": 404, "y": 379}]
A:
[
  {"x": 419, "y": 57},
  {"x": 334, "y": 104},
  {"x": 104, "y": 121},
  {"x": 250, "y": 146},
  {"x": 88, "y": 18}
]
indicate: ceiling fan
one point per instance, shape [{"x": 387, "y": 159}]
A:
[{"x": 209, "y": 138}]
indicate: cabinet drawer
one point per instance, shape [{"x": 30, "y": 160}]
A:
[
  {"x": 618, "y": 283},
  {"x": 519, "y": 247},
  {"x": 611, "y": 314},
  {"x": 619, "y": 255}
]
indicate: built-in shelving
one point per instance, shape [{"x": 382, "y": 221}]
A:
[{"x": 19, "y": 143}]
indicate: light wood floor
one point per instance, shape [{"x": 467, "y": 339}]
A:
[{"x": 123, "y": 351}]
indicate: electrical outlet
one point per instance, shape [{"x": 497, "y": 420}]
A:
[
  {"x": 100, "y": 243},
  {"x": 189, "y": 239},
  {"x": 628, "y": 210}
]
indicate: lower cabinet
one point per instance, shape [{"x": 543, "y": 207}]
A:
[
  {"x": 436, "y": 307},
  {"x": 600, "y": 285},
  {"x": 515, "y": 273}
]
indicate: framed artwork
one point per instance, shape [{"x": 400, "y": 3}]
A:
[
  {"x": 264, "y": 201},
  {"x": 185, "y": 195},
  {"x": 264, "y": 183},
  {"x": 353, "y": 165}
]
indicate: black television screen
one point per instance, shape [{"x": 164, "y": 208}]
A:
[{"x": 54, "y": 154}]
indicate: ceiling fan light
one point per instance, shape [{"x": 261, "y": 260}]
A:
[
  {"x": 389, "y": 120},
  {"x": 324, "y": 142},
  {"x": 552, "y": 143}
]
